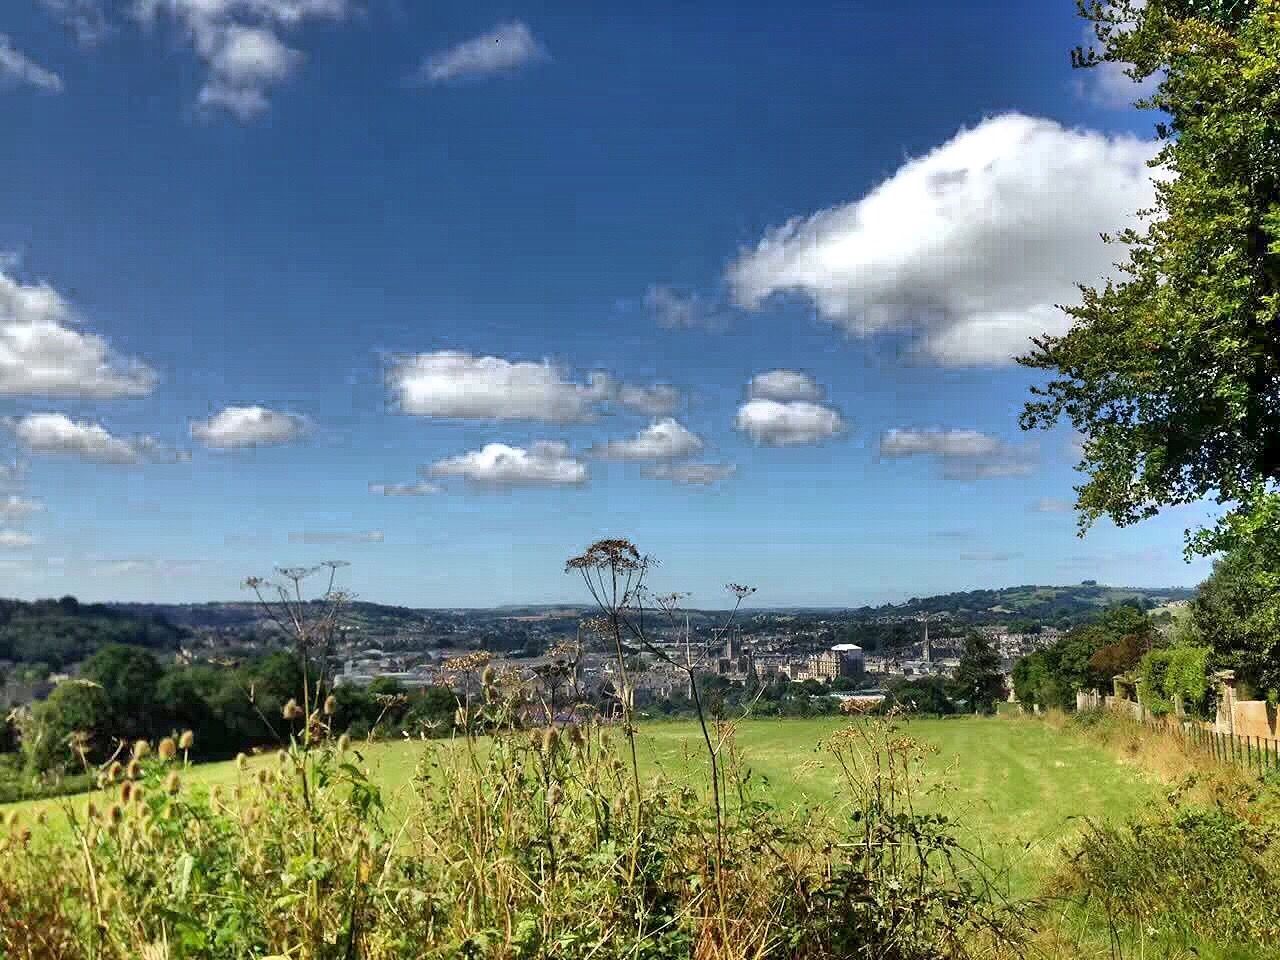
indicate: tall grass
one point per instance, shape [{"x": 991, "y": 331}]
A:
[{"x": 519, "y": 843}]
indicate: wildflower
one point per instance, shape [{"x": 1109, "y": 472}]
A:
[
  {"x": 134, "y": 770},
  {"x": 141, "y": 749},
  {"x": 167, "y": 749},
  {"x": 291, "y": 710},
  {"x": 172, "y": 784},
  {"x": 330, "y": 705},
  {"x": 186, "y": 741}
]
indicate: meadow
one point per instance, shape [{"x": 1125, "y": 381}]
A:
[{"x": 1018, "y": 788}]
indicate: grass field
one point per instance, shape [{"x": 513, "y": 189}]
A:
[{"x": 1018, "y": 786}]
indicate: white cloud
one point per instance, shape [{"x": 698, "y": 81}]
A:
[
  {"x": 781, "y": 424},
  {"x": 55, "y": 433},
  {"x": 971, "y": 245},
  {"x": 85, "y": 18},
  {"x": 14, "y": 508},
  {"x": 988, "y": 556},
  {"x": 15, "y": 539},
  {"x": 458, "y": 385},
  {"x": 683, "y": 311},
  {"x": 239, "y": 41},
  {"x": 1052, "y": 505},
  {"x": 965, "y": 454},
  {"x": 149, "y": 568},
  {"x": 421, "y": 488},
  {"x": 506, "y": 47},
  {"x": 42, "y": 355},
  {"x": 19, "y": 69},
  {"x": 318, "y": 538},
  {"x": 691, "y": 474},
  {"x": 665, "y": 439},
  {"x": 655, "y": 400},
  {"x": 784, "y": 385},
  {"x": 248, "y": 427},
  {"x": 497, "y": 465}
]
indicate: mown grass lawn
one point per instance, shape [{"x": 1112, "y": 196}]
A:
[{"x": 1018, "y": 786}]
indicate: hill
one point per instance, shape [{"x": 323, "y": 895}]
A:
[{"x": 62, "y": 632}]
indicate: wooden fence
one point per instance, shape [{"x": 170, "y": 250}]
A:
[{"x": 1260, "y": 753}]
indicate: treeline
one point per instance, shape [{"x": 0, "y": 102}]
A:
[
  {"x": 124, "y": 693},
  {"x": 58, "y": 633}
]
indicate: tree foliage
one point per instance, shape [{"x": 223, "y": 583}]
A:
[
  {"x": 977, "y": 679},
  {"x": 1172, "y": 373}
]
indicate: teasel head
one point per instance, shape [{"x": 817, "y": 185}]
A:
[
  {"x": 242, "y": 761},
  {"x": 134, "y": 770},
  {"x": 139, "y": 794},
  {"x": 115, "y": 770},
  {"x": 126, "y": 792},
  {"x": 550, "y": 737},
  {"x": 167, "y": 749},
  {"x": 264, "y": 776},
  {"x": 42, "y": 817},
  {"x": 291, "y": 710},
  {"x": 172, "y": 783},
  {"x": 141, "y": 749},
  {"x": 330, "y": 705},
  {"x": 576, "y": 736},
  {"x": 282, "y": 756},
  {"x": 103, "y": 780},
  {"x": 115, "y": 813},
  {"x": 187, "y": 740},
  {"x": 344, "y": 743}
]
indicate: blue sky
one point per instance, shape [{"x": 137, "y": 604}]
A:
[{"x": 279, "y": 276}]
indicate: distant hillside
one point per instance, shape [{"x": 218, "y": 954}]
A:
[
  {"x": 1045, "y": 604},
  {"x": 372, "y": 617},
  {"x": 62, "y": 632}
]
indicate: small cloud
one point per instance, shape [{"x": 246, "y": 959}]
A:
[
  {"x": 236, "y": 427},
  {"x": 498, "y": 466},
  {"x": 784, "y": 385},
  {"x": 665, "y": 439},
  {"x": 58, "y": 434},
  {"x": 457, "y": 385},
  {"x": 317, "y": 538},
  {"x": 503, "y": 49},
  {"x": 988, "y": 556},
  {"x": 674, "y": 310},
  {"x": 15, "y": 539},
  {"x": 655, "y": 400},
  {"x": 145, "y": 568},
  {"x": 775, "y": 423},
  {"x": 18, "y": 69},
  {"x": 1052, "y": 505},
  {"x": 965, "y": 454},
  {"x": 421, "y": 488},
  {"x": 691, "y": 474},
  {"x": 85, "y": 18},
  {"x": 15, "y": 508},
  {"x": 43, "y": 354}
]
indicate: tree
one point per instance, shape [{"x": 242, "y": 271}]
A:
[
  {"x": 1171, "y": 374},
  {"x": 75, "y": 717},
  {"x": 129, "y": 677},
  {"x": 977, "y": 678},
  {"x": 1237, "y": 610}
]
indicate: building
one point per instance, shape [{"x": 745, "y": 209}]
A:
[{"x": 842, "y": 660}]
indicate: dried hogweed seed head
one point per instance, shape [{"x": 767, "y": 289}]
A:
[
  {"x": 141, "y": 749},
  {"x": 167, "y": 749},
  {"x": 172, "y": 784},
  {"x": 187, "y": 740},
  {"x": 330, "y": 705}
]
